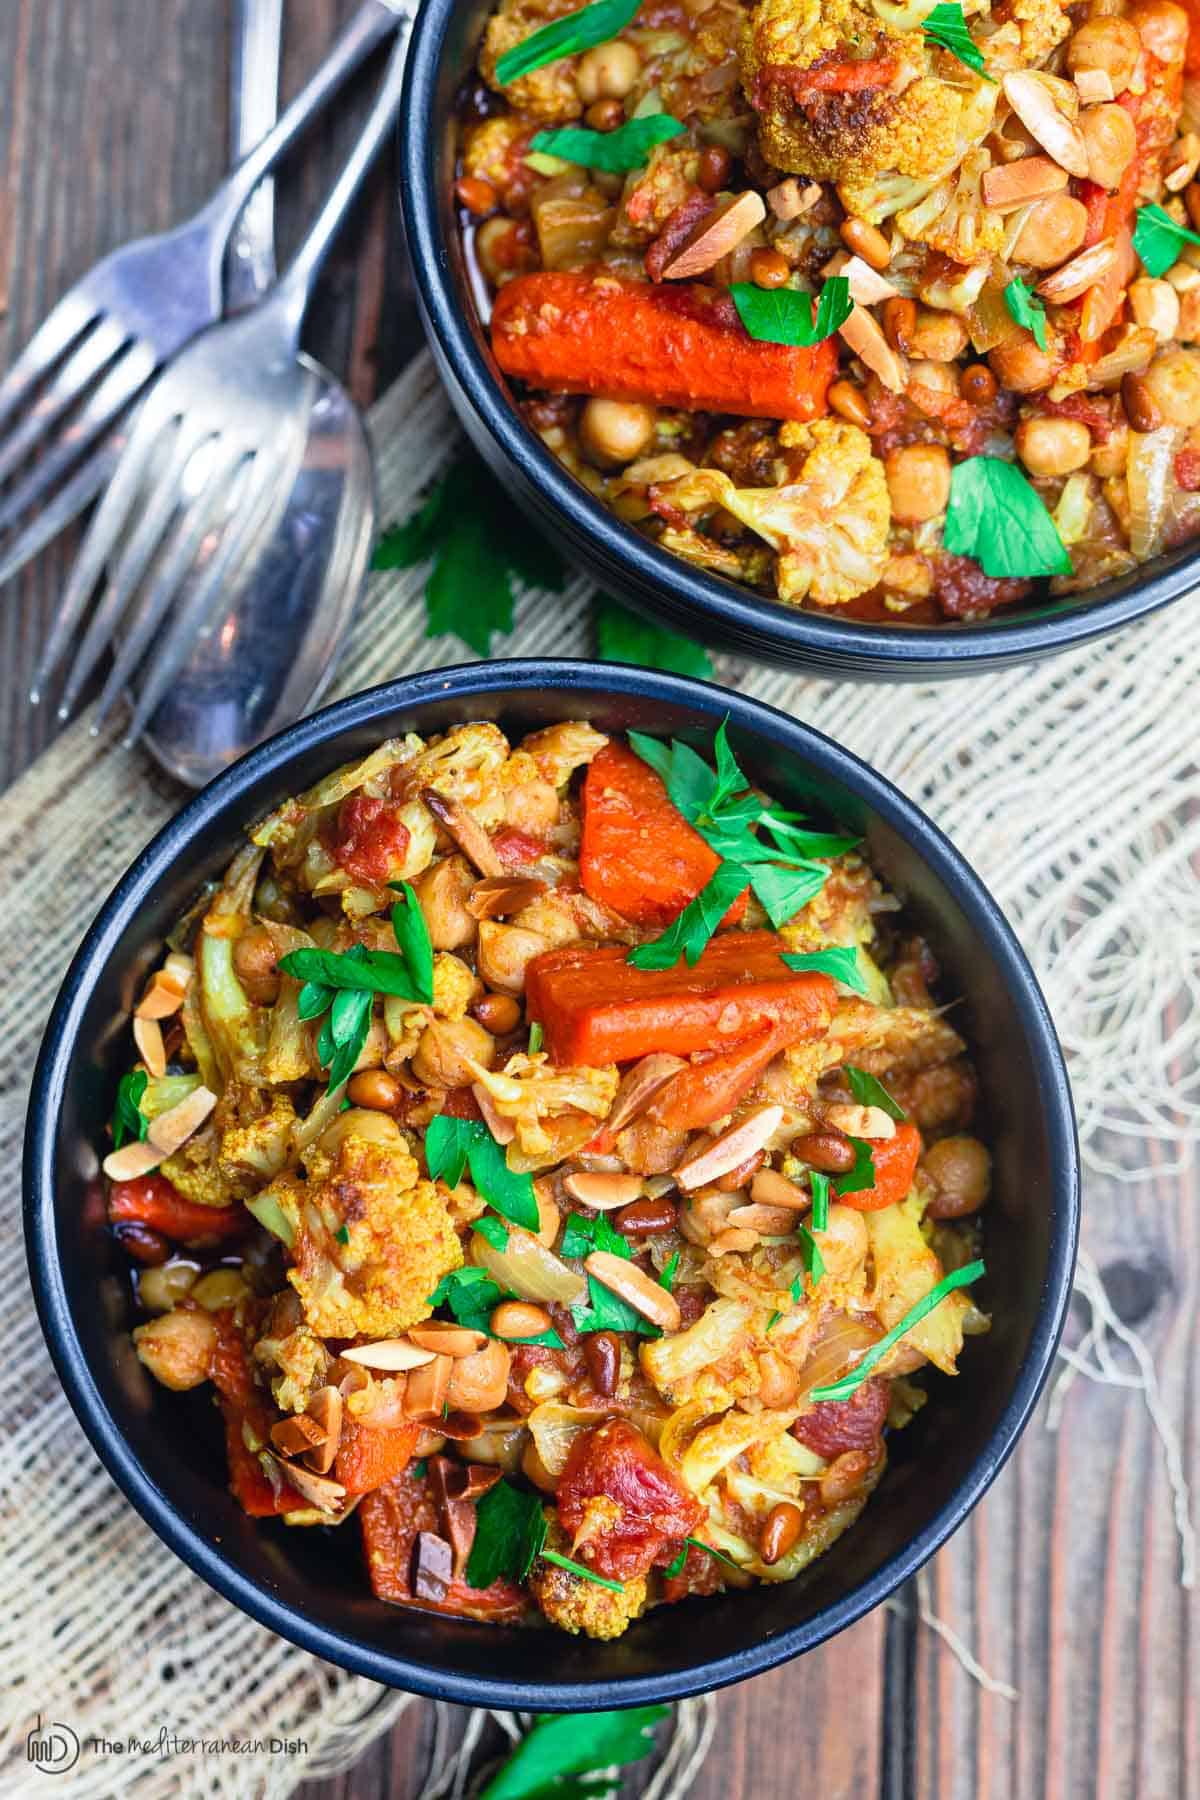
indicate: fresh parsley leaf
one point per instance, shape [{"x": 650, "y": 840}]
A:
[
  {"x": 810, "y": 1256},
  {"x": 412, "y": 935},
  {"x": 697, "y": 922},
  {"x": 782, "y": 889},
  {"x": 562, "y": 1745},
  {"x": 784, "y": 316},
  {"x": 674, "y": 1570},
  {"x": 419, "y": 1468},
  {"x": 128, "y": 1120},
  {"x": 453, "y": 1145},
  {"x": 947, "y": 27},
  {"x": 604, "y": 1310},
  {"x": 840, "y": 963},
  {"x": 667, "y": 1277},
  {"x": 622, "y": 637},
  {"x": 773, "y": 1321},
  {"x": 710, "y": 1550},
  {"x": 996, "y": 517},
  {"x": 691, "y": 1543},
  {"x": 473, "y": 1296},
  {"x": 819, "y": 1185},
  {"x": 369, "y": 972},
  {"x": 343, "y": 1034},
  {"x": 862, "y": 1176},
  {"x": 1158, "y": 239},
  {"x": 342, "y": 1234},
  {"x": 842, "y": 1390},
  {"x": 628, "y": 147},
  {"x": 536, "y": 1038},
  {"x": 1026, "y": 310},
  {"x": 313, "y": 999},
  {"x": 494, "y": 1230},
  {"x": 594, "y": 24},
  {"x": 510, "y": 1530},
  {"x": 581, "y": 1569},
  {"x": 582, "y": 1235},
  {"x": 870, "y": 1092}
]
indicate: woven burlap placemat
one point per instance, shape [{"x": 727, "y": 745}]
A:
[{"x": 1065, "y": 784}]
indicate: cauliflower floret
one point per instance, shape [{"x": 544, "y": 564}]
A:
[
  {"x": 454, "y": 985},
  {"x": 1043, "y": 24},
  {"x": 256, "y": 1153},
  {"x": 196, "y": 1173},
  {"x": 829, "y": 524},
  {"x": 297, "y": 1363},
  {"x": 561, "y": 749},
  {"x": 574, "y": 1604},
  {"x": 953, "y": 218},
  {"x": 549, "y": 93},
  {"x": 651, "y": 194},
  {"x": 369, "y": 1242},
  {"x": 529, "y": 1089},
  {"x": 494, "y": 151}
]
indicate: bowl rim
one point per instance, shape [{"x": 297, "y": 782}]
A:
[
  {"x": 682, "y": 592},
  {"x": 515, "y": 678}
]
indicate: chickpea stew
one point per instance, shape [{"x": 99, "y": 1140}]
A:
[
  {"x": 883, "y": 308},
  {"x": 554, "y": 1157}
]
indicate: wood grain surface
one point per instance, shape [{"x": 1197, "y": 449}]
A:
[{"x": 113, "y": 122}]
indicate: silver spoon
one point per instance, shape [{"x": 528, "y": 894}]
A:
[{"x": 271, "y": 651}]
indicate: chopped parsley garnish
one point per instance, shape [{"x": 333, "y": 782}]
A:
[
  {"x": 473, "y": 1296},
  {"x": 603, "y": 1310},
  {"x": 997, "y": 518},
  {"x": 1026, "y": 310},
  {"x": 667, "y": 1278},
  {"x": 342, "y": 1234},
  {"x": 581, "y": 1569},
  {"x": 622, "y": 637},
  {"x": 616, "y": 152},
  {"x": 784, "y": 316},
  {"x": 536, "y": 1038},
  {"x": 128, "y": 1120},
  {"x": 858, "y": 1179},
  {"x": 560, "y": 1747},
  {"x": 870, "y": 1092},
  {"x": 687, "y": 935},
  {"x": 842, "y": 1390},
  {"x": 1158, "y": 239},
  {"x": 591, "y": 25},
  {"x": 810, "y": 1256},
  {"x": 948, "y": 28},
  {"x": 510, "y": 1530},
  {"x": 453, "y": 1145},
  {"x": 819, "y": 1184},
  {"x": 676, "y": 1568},
  {"x": 840, "y": 963}
]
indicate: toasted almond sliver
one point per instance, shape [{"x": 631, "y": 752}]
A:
[
  {"x": 730, "y": 1150},
  {"x": 318, "y": 1490},
  {"x": 425, "y": 1395},
  {"x": 1081, "y": 273},
  {"x": 770, "y": 1188},
  {"x": 1094, "y": 86},
  {"x": 859, "y": 1121},
  {"x": 602, "y": 1191},
  {"x": 179, "y": 968},
  {"x": 147, "y": 1035},
  {"x": 788, "y": 199},
  {"x": 767, "y": 1221},
  {"x": 1046, "y": 122},
  {"x": 162, "y": 997},
  {"x": 636, "y": 1288},
  {"x": 501, "y": 895},
  {"x": 445, "y": 1339},
  {"x": 131, "y": 1162},
  {"x": 734, "y": 1237},
  {"x": 867, "y": 285},
  {"x": 867, "y": 341},
  {"x": 1017, "y": 183},
  {"x": 638, "y": 1087},
  {"x": 297, "y": 1435},
  {"x": 466, "y": 831},
  {"x": 502, "y": 1129},
  {"x": 325, "y": 1410},
  {"x": 717, "y": 237},
  {"x": 389, "y": 1353},
  {"x": 1181, "y": 162},
  {"x": 173, "y": 1128}
]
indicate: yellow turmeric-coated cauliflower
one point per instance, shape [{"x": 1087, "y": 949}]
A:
[
  {"x": 574, "y": 1604},
  {"x": 828, "y": 524},
  {"x": 549, "y": 93},
  {"x": 530, "y": 1089}
]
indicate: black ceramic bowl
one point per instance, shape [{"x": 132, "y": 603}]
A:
[
  {"x": 164, "y": 1449},
  {"x": 445, "y": 40}
]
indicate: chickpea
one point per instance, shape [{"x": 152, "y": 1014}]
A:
[
  {"x": 442, "y": 891},
  {"x": 608, "y": 72},
  {"x": 535, "y": 1470},
  {"x": 1162, "y": 28},
  {"x": 1053, "y": 446},
  {"x": 504, "y": 951},
  {"x": 376, "y": 1090},
  {"x": 479, "y": 1383},
  {"x": 220, "y": 1288},
  {"x": 849, "y": 402},
  {"x": 1110, "y": 141},
  {"x": 177, "y": 1348},
  {"x": 159, "y": 1289},
  {"x": 1053, "y": 231},
  {"x": 941, "y": 377},
  {"x": 961, "y": 1171},
  {"x": 254, "y": 964},
  {"x": 358, "y": 1121},
  {"x": 1112, "y": 45},
  {"x": 441, "y": 1057},
  {"x": 497, "y": 1013},
  {"x": 615, "y": 432},
  {"x": 1108, "y": 460},
  {"x": 498, "y": 247},
  {"x": 939, "y": 336},
  {"x": 1156, "y": 305},
  {"x": 1020, "y": 366},
  {"x": 532, "y": 807},
  {"x": 918, "y": 478},
  {"x": 1173, "y": 383}
]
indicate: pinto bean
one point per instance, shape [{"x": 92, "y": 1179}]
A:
[{"x": 782, "y": 1527}]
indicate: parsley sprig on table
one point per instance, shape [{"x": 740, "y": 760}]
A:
[
  {"x": 561, "y": 1747},
  {"x": 624, "y": 638}
]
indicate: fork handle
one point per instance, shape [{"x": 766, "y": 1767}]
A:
[
  {"x": 370, "y": 26},
  {"x": 253, "y": 109}
]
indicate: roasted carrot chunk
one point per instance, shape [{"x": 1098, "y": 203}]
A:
[
  {"x": 595, "y": 1007},
  {"x": 705, "y": 1091},
  {"x": 153, "y": 1201},
  {"x": 895, "y": 1160},
  {"x": 667, "y": 346},
  {"x": 369, "y": 1455},
  {"x": 639, "y": 855}
]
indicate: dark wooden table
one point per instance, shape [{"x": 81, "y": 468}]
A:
[{"x": 112, "y": 123}]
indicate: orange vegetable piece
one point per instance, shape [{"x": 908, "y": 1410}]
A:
[
  {"x": 705, "y": 1091},
  {"x": 595, "y": 1007},
  {"x": 152, "y": 1200},
  {"x": 668, "y": 345},
  {"x": 369, "y": 1455},
  {"x": 639, "y": 855},
  {"x": 391, "y": 1518},
  {"x": 242, "y": 1404},
  {"x": 895, "y": 1160}
]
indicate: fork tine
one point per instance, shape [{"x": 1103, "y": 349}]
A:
[
  {"x": 66, "y": 505},
  {"x": 86, "y": 361},
  {"x": 256, "y": 514},
  {"x": 102, "y": 534},
  {"x": 179, "y": 556},
  {"x": 162, "y": 502},
  {"x": 54, "y": 336},
  {"x": 130, "y": 372}
]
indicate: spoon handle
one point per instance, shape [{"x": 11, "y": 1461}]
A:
[
  {"x": 253, "y": 109},
  {"x": 296, "y": 286}
]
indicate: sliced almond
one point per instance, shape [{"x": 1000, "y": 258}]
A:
[
  {"x": 1181, "y": 162},
  {"x": 1034, "y": 106},
  {"x": 325, "y": 1410},
  {"x": 770, "y": 1188},
  {"x": 318, "y": 1490},
  {"x": 147, "y": 1035},
  {"x": 162, "y": 997},
  {"x": 131, "y": 1162},
  {"x": 859, "y": 1121},
  {"x": 717, "y": 236},
  {"x": 636, "y": 1288},
  {"x": 638, "y": 1087},
  {"x": 502, "y": 895},
  {"x": 1081, "y": 273},
  {"x": 788, "y": 199},
  {"x": 731, "y": 1149},
  {"x": 1016, "y": 184},
  {"x": 179, "y": 968},
  {"x": 425, "y": 1395},
  {"x": 867, "y": 285},
  {"x": 172, "y": 1129},
  {"x": 601, "y": 1191},
  {"x": 446, "y": 1339},
  {"x": 502, "y": 1129},
  {"x": 297, "y": 1435},
  {"x": 868, "y": 343},
  {"x": 389, "y": 1353},
  {"x": 1094, "y": 86},
  {"x": 733, "y": 1239},
  {"x": 766, "y": 1221},
  {"x": 466, "y": 831}
]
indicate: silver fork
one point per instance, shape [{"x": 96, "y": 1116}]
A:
[
  {"x": 127, "y": 316},
  {"x": 236, "y": 401}
]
